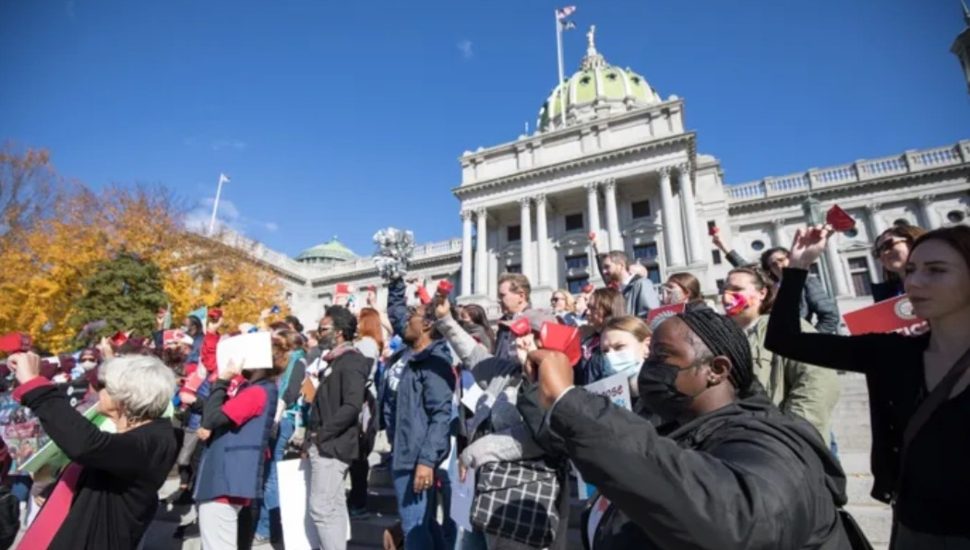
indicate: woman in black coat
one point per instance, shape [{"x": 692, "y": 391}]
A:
[
  {"x": 892, "y": 248},
  {"x": 116, "y": 475},
  {"x": 920, "y": 466}
]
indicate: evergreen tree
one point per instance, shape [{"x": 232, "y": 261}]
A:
[{"x": 125, "y": 292}]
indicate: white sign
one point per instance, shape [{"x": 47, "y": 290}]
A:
[
  {"x": 299, "y": 532},
  {"x": 251, "y": 351},
  {"x": 616, "y": 387}
]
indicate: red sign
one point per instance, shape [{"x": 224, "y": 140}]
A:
[
  {"x": 658, "y": 315},
  {"x": 839, "y": 219},
  {"x": 892, "y": 315}
]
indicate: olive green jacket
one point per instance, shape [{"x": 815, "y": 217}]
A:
[{"x": 805, "y": 390}]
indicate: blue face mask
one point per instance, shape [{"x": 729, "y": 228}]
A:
[{"x": 619, "y": 361}]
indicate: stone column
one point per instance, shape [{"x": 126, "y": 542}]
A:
[
  {"x": 466, "y": 252},
  {"x": 689, "y": 209},
  {"x": 778, "y": 233},
  {"x": 542, "y": 241},
  {"x": 673, "y": 240},
  {"x": 481, "y": 262},
  {"x": 526, "y": 240},
  {"x": 928, "y": 217},
  {"x": 593, "y": 209},
  {"x": 612, "y": 218},
  {"x": 837, "y": 272},
  {"x": 874, "y": 221}
]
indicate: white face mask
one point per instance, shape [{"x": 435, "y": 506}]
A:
[
  {"x": 88, "y": 365},
  {"x": 620, "y": 360}
]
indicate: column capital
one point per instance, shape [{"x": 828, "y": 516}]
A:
[
  {"x": 683, "y": 168},
  {"x": 481, "y": 212},
  {"x": 665, "y": 171},
  {"x": 540, "y": 199},
  {"x": 873, "y": 207},
  {"x": 777, "y": 222},
  {"x": 926, "y": 199},
  {"x": 466, "y": 215},
  {"x": 609, "y": 184},
  {"x": 525, "y": 202},
  {"x": 591, "y": 186}
]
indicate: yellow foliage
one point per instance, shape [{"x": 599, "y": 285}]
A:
[{"x": 46, "y": 259}]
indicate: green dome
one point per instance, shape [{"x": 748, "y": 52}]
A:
[
  {"x": 595, "y": 90},
  {"x": 327, "y": 253}
]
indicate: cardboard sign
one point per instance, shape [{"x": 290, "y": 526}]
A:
[
  {"x": 616, "y": 387},
  {"x": 892, "y": 315},
  {"x": 839, "y": 219},
  {"x": 251, "y": 351},
  {"x": 658, "y": 315}
]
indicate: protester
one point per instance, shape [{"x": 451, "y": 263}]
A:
[
  {"x": 114, "y": 477},
  {"x": 816, "y": 306},
  {"x": 498, "y": 433},
  {"x": 918, "y": 400},
  {"x": 475, "y": 322},
  {"x": 236, "y": 426},
  {"x": 288, "y": 409},
  {"x": 514, "y": 294},
  {"x": 193, "y": 327},
  {"x": 564, "y": 307},
  {"x": 725, "y": 470},
  {"x": 795, "y": 387},
  {"x": 582, "y": 307},
  {"x": 638, "y": 291},
  {"x": 334, "y": 431},
  {"x": 604, "y": 305},
  {"x": 682, "y": 288},
  {"x": 625, "y": 345},
  {"x": 420, "y": 423},
  {"x": 370, "y": 342},
  {"x": 892, "y": 248}
]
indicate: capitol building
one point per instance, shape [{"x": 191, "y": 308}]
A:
[{"x": 610, "y": 155}]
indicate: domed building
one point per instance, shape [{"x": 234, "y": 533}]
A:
[
  {"x": 328, "y": 254},
  {"x": 597, "y": 89}
]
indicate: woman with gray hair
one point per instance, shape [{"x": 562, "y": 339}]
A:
[{"x": 111, "y": 487}]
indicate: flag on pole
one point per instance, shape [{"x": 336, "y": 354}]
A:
[
  {"x": 568, "y": 25},
  {"x": 223, "y": 178},
  {"x": 564, "y": 12}
]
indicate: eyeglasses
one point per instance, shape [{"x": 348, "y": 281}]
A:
[{"x": 324, "y": 329}]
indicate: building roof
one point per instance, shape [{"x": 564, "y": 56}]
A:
[
  {"x": 332, "y": 250},
  {"x": 595, "y": 90}
]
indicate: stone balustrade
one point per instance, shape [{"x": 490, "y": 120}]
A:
[{"x": 859, "y": 171}]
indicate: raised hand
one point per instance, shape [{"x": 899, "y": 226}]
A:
[
  {"x": 808, "y": 245},
  {"x": 26, "y": 365},
  {"x": 551, "y": 369}
]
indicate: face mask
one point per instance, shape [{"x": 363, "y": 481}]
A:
[
  {"x": 88, "y": 365},
  {"x": 658, "y": 390},
  {"x": 734, "y": 303},
  {"x": 619, "y": 361}
]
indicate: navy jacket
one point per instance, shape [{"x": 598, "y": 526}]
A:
[
  {"x": 420, "y": 425},
  {"x": 232, "y": 464}
]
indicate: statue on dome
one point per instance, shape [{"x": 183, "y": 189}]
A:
[{"x": 591, "y": 40}]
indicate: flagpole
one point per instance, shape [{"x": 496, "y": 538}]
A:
[
  {"x": 562, "y": 92},
  {"x": 215, "y": 206}
]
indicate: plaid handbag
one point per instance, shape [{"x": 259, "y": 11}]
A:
[{"x": 517, "y": 501}]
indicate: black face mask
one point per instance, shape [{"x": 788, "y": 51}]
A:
[{"x": 658, "y": 390}]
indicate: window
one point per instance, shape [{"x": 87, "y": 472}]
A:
[
  {"x": 576, "y": 284},
  {"x": 580, "y": 261},
  {"x": 861, "y": 279},
  {"x": 653, "y": 273},
  {"x": 955, "y": 216},
  {"x": 646, "y": 252},
  {"x": 720, "y": 285},
  {"x": 514, "y": 233},
  {"x": 757, "y": 245},
  {"x": 513, "y": 268},
  {"x": 641, "y": 209},
  {"x": 574, "y": 221},
  {"x": 901, "y": 221},
  {"x": 716, "y": 256},
  {"x": 852, "y": 233}
]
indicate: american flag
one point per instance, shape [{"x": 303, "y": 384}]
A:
[{"x": 564, "y": 12}]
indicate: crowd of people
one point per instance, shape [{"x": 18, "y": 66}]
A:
[{"x": 726, "y": 441}]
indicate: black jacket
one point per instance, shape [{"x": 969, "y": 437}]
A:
[
  {"x": 117, "y": 493},
  {"x": 334, "y": 415},
  {"x": 887, "y": 290},
  {"x": 743, "y": 477}
]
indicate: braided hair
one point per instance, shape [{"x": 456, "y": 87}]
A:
[{"x": 723, "y": 338}]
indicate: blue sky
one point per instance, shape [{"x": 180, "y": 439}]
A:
[{"x": 339, "y": 118}]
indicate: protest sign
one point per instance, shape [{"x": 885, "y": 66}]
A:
[
  {"x": 299, "y": 532},
  {"x": 616, "y": 387},
  {"x": 29, "y": 445},
  {"x": 892, "y": 315},
  {"x": 253, "y": 350}
]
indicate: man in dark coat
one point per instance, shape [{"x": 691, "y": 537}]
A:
[{"x": 724, "y": 470}]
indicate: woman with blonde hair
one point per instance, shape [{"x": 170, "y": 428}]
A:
[{"x": 564, "y": 307}]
